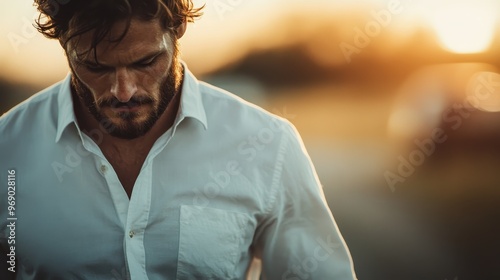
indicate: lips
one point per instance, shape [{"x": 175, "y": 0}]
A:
[
  {"x": 131, "y": 105},
  {"x": 127, "y": 107}
]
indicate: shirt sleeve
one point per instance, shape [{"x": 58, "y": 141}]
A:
[{"x": 298, "y": 238}]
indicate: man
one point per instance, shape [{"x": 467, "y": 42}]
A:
[{"x": 130, "y": 168}]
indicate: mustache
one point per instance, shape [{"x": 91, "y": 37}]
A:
[
  {"x": 111, "y": 102},
  {"x": 134, "y": 101}
]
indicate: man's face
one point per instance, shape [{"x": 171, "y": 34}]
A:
[{"x": 130, "y": 85}]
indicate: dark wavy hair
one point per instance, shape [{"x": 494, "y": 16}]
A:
[{"x": 67, "y": 19}]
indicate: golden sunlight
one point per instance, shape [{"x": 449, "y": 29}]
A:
[
  {"x": 464, "y": 28},
  {"x": 483, "y": 91}
]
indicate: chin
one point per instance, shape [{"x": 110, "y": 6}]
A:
[{"x": 130, "y": 126}]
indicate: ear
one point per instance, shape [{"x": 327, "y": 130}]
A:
[{"x": 181, "y": 29}]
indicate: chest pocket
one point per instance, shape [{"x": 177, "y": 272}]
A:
[{"x": 210, "y": 243}]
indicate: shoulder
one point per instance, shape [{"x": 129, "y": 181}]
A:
[
  {"x": 226, "y": 109},
  {"x": 39, "y": 109},
  {"x": 257, "y": 135}
]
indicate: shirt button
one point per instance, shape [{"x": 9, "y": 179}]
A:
[
  {"x": 104, "y": 169},
  {"x": 131, "y": 233}
]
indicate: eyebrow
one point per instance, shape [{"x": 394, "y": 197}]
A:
[{"x": 138, "y": 61}]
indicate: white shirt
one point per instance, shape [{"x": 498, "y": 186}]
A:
[{"x": 226, "y": 184}]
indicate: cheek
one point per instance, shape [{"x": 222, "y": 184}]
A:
[
  {"x": 147, "y": 81},
  {"x": 97, "y": 84},
  {"x": 152, "y": 80}
]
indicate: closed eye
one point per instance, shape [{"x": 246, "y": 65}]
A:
[
  {"x": 141, "y": 64},
  {"x": 96, "y": 68},
  {"x": 146, "y": 63}
]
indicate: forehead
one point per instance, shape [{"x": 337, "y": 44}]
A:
[{"x": 141, "y": 37}]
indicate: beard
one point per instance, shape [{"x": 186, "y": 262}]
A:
[{"x": 128, "y": 126}]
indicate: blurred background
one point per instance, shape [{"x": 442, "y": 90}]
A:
[{"x": 398, "y": 104}]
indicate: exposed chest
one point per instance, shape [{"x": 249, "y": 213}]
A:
[{"x": 127, "y": 167}]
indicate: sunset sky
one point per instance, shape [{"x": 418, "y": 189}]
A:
[{"x": 225, "y": 32}]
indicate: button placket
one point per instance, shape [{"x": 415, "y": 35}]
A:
[{"x": 137, "y": 221}]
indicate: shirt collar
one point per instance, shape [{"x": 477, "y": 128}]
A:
[
  {"x": 65, "y": 106},
  {"x": 191, "y": 104}
]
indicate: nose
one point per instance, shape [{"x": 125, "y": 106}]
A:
[{"x": 123, "y": 86}]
